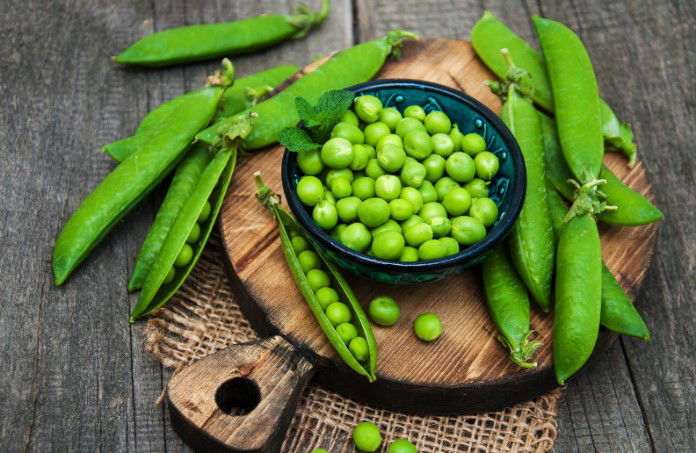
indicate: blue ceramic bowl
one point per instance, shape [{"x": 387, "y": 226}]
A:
[{"x": 507, "y": 189}]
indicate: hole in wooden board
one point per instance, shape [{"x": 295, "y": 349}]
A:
[{"x": 238, "y": 396}]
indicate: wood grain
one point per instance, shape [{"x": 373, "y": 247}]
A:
[{"x": 467, "y": 360}]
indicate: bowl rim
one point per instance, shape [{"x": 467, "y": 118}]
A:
[{"x": 396, "y": 267}]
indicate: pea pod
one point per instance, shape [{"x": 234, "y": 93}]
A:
[
  {"x": 618, "y": 312},
  {"x": 632, "y": 208},
  {"x": 288, "y": 225},
  {"x": 489, "y": 35},
  {"x": 180, "y": 189},
  {"x": 351, "y": 66},
  {"x": 131, "y": 180},
  {"x": 508, "y": 304},
  {"x": 202, "y": 42}
]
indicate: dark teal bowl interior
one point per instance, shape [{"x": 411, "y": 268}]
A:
[{"x": 507, "y": 189}]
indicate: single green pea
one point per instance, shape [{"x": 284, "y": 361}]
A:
[
  {"x": 434, "y": 167},
  {"x": 337, "y": 153},
  {"x": 317, "y": 278},
  {"x": 388, "y": 245},
  {"x": 427, "y": 327},
  {"x": 371, "y": 152},
  {"x": 384, "y": 311},
  {"x": 337, "y": 173},
  {"x": 325, "y": 215},
  {"x": 390, "y": 116},
  {"x": 441, "y": 226},
  {"x": 432, "y": 209},
  {"x": 367, "y": 437},
  {"x": 413, "y": 196},
  {"x": 442, "y": 144},
  {"x": 299, "y": 244},
  {"x": 184, "y": 257},
  {"x": 351, "y": 133},
  {"x": 485, "y": 210},
  {"x": 205, "y": 213},
  {"x": 415, "y": 112},
  {"x": 409, "y": 255},
  {"x": 418, "y": 144},
  {"x": 338, "y": 313},
  {"x": 194, "y": 234},
  {"x": 346, "y": 331},
  {"x": 432, "y": 250},
  {"x": 456, "y": 136},
  {"x": 336, "y": 232},
  {"x": 326, "y": 295},
  {"x": 477, "y": 187},
  {"x": 309, "y": 260},
  {"x": 467, "y": 230},
  {"x": 356, "y": 236},
  {"x": 361, "y": 156},
  {"x": 389, "y": 225},
  {"x": 348, "y": 209},
  {"x": 417, "y": 234},
  {"x": 451, "y": 245},
  {"x": 350, "y": 118},
  {"x": 373, "y": 132},
  {"x": 310, "y": 162},
  {"x": 406, "y": 125},
  {"x": 373, "y": 212},
  {"x": 473, "y": 144},
  {"x": 487, "y": 165},
  {"x": 368, "y": 108},
  {"x": 437, "y": 122},
  {"x": 391, "y": 158},
  {"x": 413, "y": 173},
  {"x": 400, "y": 209},
  {"x": 457, "y": 201},
  {"x": 428, "y": 191},
  {"x": 364, "y": 188},
  {"x": 413, "y": 220},
  {"x": 390, "y": 139},
  {"x": 170, "y": 276},
  {"x": 460, "y": 167},
  {"x": 329, "y": 197},
  {"x": 341, "y": 188},
  {"x": 388, "y": 187},
  {"x": 402, "y": 446},
  {"x": 358, "y": 347},
  {"x": 374, "y": 169}
]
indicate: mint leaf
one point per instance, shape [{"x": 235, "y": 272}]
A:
[
  {"x": 304, "y": 109},
  {"x": 329, "y": 109},
  {"x": 297, "y": 140}
]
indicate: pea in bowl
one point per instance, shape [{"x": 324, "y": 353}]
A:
[{"x": 413, "y": 244}]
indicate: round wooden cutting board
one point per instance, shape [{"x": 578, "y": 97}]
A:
[{"x": 466, "y": 370}]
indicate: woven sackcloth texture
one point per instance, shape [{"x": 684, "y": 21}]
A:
[{"x": 204, "y": 317}]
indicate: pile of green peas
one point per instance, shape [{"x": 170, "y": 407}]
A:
[
  {"x": 186, "y": 253},
  {"x": 337, "y": 312},
  {"x": 401, "y": 187}
]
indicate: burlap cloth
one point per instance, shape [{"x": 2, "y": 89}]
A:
[{"x": 204, "y": 317}]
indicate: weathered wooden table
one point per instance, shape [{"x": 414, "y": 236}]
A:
[{"x": 74, "y": 373}]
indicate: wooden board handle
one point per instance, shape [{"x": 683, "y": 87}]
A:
[{"x": 240, "y": 399}]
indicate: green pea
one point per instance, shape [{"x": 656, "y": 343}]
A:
[
  {"x": 356, "y": 236},
  {"x": 351, "y": 133},
  {"x": 309, "y": 260},
  {"x": 388, "y": 187},
  {"x": 473, "y": 144},
  {"x": 383, "y": 310},
  {"x": 389, "y": 225},
  {"x": 317, "y": 278},
  {"x": 348, "y": 209},
  {"x": 468, "y": 230},
  {"x": 339, "y": 172},
  {"x": 170, "y": 276},
  {"x": 388, "y": 245},
  {"x": 338, "y": 313},
  {"x": 432, "y": 250},
  {"x": 402, "y": 446},
  {"x": 299, "y": 244},
  {"x": 368, "y": 108},
  {"x": 413, "y": 173},
  {"x": 358, "y": 346},
  {"x": 205, "y": 213},
  {"x": 400, "y": 209},
  {"x": 432, "y": 209},
  {"x": 415, "y": 112},
  {"x": 451, "y": 245},
  {"x": 390, "y": 139},
  {"x": 417, "y": 234},
  {"x": 406, "y": 125},
  {"x": 336, "y": 232},
  {"x": 341, "y": 188},
  {"x": 350, "y": 118},
  {"x": 418, "y": 144},
  {"x": 370, "y": 151},
  {"x": 485, "y": 210},
  {"x": 374, "y": 169},
  {"x": 413, "y": 196},
  {"x": 437, "y": 122},
  {"x": 337, "y": 153},
  {"x": 184, "y": 257},
  {"x": 427, "y": 327},
  {"x": 456, "y": 136},
  {"x": 434, "y": 167},
  {"x": 326, "y": 295},
  {"x": 364, "y": 188},
  {"x": 346, "y": 331},
  {"x": 457, "y": 201},
  {"x": 441, "y": 226},
  {"x": 487, "y": 165},
  {"x": 373, "y": 132},
  {"x": 325, "y": 215},
  {"x": 442, "y": 144},
  {"x": 361, "y": 156},
  {"x": 194, "y": 234},
  {"x": 428, "y": 192},
  {"x": 390, "y": 116},
  {"x": 460, "y": 167},
  {"x": 477, "y": 187},
  {"x": 367, "y": 437},
  {"x": 373, "y": 212},
  {"x": 329, "y": 197},
  {"x": 409, "y": 255},
  {"x": 413, "y": 220},
  {"x": 310, "y": 162},
  {"x": 391, "y": 158}
]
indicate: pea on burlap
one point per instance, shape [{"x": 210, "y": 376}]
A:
[{"x": 204, "y": 317}]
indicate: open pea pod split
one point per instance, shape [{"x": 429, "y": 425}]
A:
[{"x": 489, "y": 35}]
